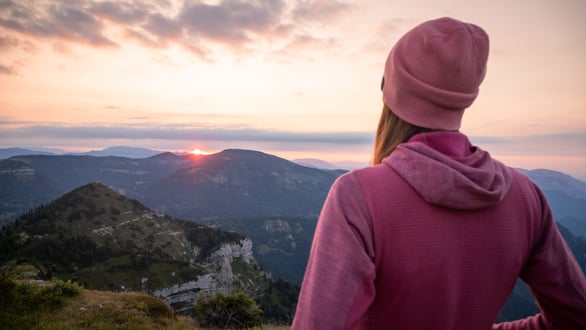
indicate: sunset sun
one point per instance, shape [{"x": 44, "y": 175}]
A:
[{"x": 199, "y": 152}]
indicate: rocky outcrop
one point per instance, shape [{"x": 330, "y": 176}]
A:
[
  {"x": 221, "y": 277},
  {"x": 243, "y": 250},
  {"x": 187, "y": 292}
]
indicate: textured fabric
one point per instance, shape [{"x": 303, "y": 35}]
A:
[
  {"x": 433, "y": 73},
  {"x": 469, "y": 178},
  {"x": 384, "y": 258}
]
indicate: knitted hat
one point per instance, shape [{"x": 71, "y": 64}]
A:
[{"x": 433, "y": 73}]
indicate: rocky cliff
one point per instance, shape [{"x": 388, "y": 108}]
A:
[{"x": 225, "y": 265}]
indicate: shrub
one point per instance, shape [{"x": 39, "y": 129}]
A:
[
  {"x": 22, "y": 303},
  {"x": 227, "y": 311},
  {"x": 62, "y": 289},
  {"x": 151, "y": 306}
]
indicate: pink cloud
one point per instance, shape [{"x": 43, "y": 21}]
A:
[{"x": 236, "y": 25}]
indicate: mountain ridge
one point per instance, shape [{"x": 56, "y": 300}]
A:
[
  {"x": 110, "y": 242},
  {"x": 231, "y": 183},
  {"x": 109, "y": 225},
  {"x": 238, "y": 182}
]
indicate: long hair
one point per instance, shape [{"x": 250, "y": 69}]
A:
[{"x": 391, "y": 132}]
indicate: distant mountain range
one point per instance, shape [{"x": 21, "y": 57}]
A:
[
  {"x": 128, "y": 152},
  {"x": 135, "y": 152},
  {"x": 11, "y": 152},
  {"x": 231, "y": 183},
  {"x": 240, "y": 183},
  {"x": 566, "y": 196},
  {"x": 316, "y": 163}
]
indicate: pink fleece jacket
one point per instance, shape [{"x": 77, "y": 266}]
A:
[{"x": 435, "y": 238}]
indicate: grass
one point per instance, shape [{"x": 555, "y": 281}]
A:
[
  {"x": 115, "y": 310},
  {"x": 105, "y": 310},
  {"x": 63, "y": 305}
]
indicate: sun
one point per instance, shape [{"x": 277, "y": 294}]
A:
[{"x": 198, "y": 152}]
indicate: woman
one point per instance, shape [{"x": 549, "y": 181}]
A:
[{"x": 435, "y": 234}]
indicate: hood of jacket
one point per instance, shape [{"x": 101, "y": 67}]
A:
[{"x": 448, "y": 171}]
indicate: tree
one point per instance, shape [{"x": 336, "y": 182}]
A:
[{"x": 227, "y": 311}]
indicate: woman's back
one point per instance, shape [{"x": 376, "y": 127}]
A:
[{"x": 445, "y": 268}]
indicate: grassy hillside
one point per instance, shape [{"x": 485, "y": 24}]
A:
[{"x": 32, "y": 304}]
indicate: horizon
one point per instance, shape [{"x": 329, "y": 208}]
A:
[
  {"x": 345, "y": 164},
  {"x": 297, "y": 79}
]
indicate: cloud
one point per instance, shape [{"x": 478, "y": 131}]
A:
[
  {"x": 197, "y": 26},
  {"x": 53, "y": 20},
  {"x": 121, "y": 12},
  {"x": 10, "y": 129},
  {"x": 319, "y": 11},
  {"x": 571, "y": 137},
  {"x": 181, "y": 132},
  {"x": 8, "y": 42},
  {"x": 231, "y": 22},
  {"x": 163, "y": 27},
  {"x": 552, "y": 145},
  {"x": 9, "y": 70}
]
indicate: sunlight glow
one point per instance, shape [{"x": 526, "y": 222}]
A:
[{"x": 199, "y": 152}]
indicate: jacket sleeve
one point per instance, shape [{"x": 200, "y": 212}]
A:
[
  {"x": 338, "y": 286},
  {"x": 556, "y": 280}
]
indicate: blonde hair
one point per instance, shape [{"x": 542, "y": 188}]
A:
[{"x": 391, "y": 132}]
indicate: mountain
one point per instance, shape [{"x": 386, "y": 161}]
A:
[
  {"x": 565, "y": 195},
  {"x": 316, "y": 163},
  {"x": 321, "y": 164},
  {"x": 107, "y": 241},
  {"x": 574, "y": 225},
  {"x": 241, "y": 183},
  {"x": 27, "y": 181},
  {"x": 128, "y": 152},
  {"x": 549, "y": 180},
  {"x": 232, "y": 183},
  {"x": 22, "y": 188},
  {"x": 11, "y": 152}
]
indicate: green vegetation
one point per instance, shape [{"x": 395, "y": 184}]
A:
[
  {"x": 65, "y": 305},
  {"x": 278, "y": 302},
  {"x": 22, "y": 304},
  {"x": 105, "y": 241},
  {"x": 227, "y": 311},
  {"x": 109, "y": 242},
  {"x": 58, "y": 305}
]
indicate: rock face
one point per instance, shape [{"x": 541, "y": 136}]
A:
[
  {"x": 186, "y": 293},
  {"x": 222, "y": 277},
  {"x": 230, "y": 251}
]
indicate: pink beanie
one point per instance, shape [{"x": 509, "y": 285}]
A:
[{"x": 433, "y": 73}]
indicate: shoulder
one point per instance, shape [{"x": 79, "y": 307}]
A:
[
  {"x": 381, "y": 177},
  {"x": 362, "y": 177},
  {"x": 524, "y": 194},
  {"x": 525, "y": 185}
]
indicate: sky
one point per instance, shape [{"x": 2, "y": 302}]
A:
[{"x": 298, "y": 79}]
